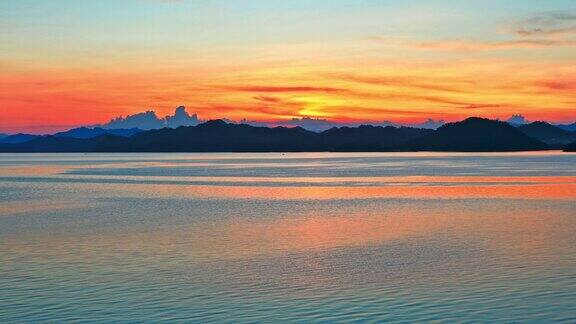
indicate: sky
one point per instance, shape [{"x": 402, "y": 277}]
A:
[{"x": 65, "y": 63}]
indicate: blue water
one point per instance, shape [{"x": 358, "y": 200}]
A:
[{"x": 316, "y": 237}]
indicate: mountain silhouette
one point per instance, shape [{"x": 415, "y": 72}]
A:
[
  {"x": 570, "y": 147},
  {"x": 368, "y": 138},
  {"x": 219, "y": 136},
  {"x": 549, "y": 134},
  {"x": 472, "y": 134},
  {"x": 570, "y": 127},
  {"x": 319, "y": 124},
  {"x": 17, "y": 138},
  {"x": 51, "y": 143},
  {"x": 149, "y": 120},
  {"x": 477, "y": 135},
  {"x": 85, "y": 132}
]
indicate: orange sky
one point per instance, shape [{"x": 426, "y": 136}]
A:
[{"x": 61, "y": 78}]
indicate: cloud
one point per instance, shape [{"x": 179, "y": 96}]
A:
[
  {"x": 273, "y": 89},
  {"x": 571, "y": 30},
  {"x": 398, "y": 81},
  {"x": 267, "y": 99},
  {"x": 149, "y": 120},
  {"x": 462, "y": 45},
  {"x": 475, "y": 46},
  {"x": 517, "y": 119},
  {"x": 560, "y": 84},
  {"x": 544, "y": 30},
  {"x": 558, "y": 23}
]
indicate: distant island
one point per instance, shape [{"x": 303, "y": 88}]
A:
[{"x": 470, "y": 135}]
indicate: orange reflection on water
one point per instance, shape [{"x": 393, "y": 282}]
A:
[
  {"x": 40, "y": 206},
  {"x": 31, "y": 170},
  {"x": 322, "y": 231},
  {"x": 492, "y": 228},
  {"x": 552, "y": 191}
]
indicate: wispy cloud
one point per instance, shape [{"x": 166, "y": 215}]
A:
[
  {"x": 474, "y": 46},
  {"x": 560, "y": 84},
  {"x": 398, "y": 81},
  {"x": 545, "y": 30},
  {"x": 274, "y": 89},
  {"x": 547, "y": 24},
  {"x": 267, "y": 99}
]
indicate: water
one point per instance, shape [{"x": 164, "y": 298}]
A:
[{"x": 288, "y": 237}]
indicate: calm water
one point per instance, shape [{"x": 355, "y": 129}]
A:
[{"x": 288, "y": 237}]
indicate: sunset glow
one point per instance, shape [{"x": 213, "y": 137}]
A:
[{"x": 70, "y": 63}]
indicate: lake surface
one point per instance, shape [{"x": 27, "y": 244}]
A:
[{"x": 315, "y": 237}]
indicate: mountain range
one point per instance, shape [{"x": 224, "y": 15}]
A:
[
  {"x": 79, "y": 133},
  {"x": 472, "y": 134},
  {"x": 320, "y": 124},
  {"x": 185, "y": 132},
  {"x": 148, "y": 120},
  {"x": 17, "y": 138},
  {"x": 570, "y": 127},
  {"x": 478, "y": 135},
  {"x": 85, "y": 132},
  {"x": 554, "y": 136}
]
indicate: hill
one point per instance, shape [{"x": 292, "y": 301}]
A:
[
  {"x": 219, "y": 136},
  {"x": 369, "y": 138},
  {"x": 85, "y": 132},
  {"x": 17, "y": 138},
  {"x": 570, "y": 127},
  {"x": 470, "y": 135},
  {"x": 477, "y": 135},
  {"x": 549, "y": 134},
  {"x": 57, "y": 144}
]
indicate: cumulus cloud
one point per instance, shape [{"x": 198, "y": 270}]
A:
[
  {"x": 517, "y": 120},
  {"x": 149, "y": 120}
]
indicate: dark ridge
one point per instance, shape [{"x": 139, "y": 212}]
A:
[
  {"x": 477, "y": 135},
  {"x": 85, "y": 132},
  {"x": 369, "y": 138},
  {"x": 219, "y": 136},
  {"x": 472, "y": 134},
  {"x": 570, "y": 127},
  {"x": 17, "y": 138},
  {"x": 55, "y": 144},
  {"x": 549, "y": 134}
]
